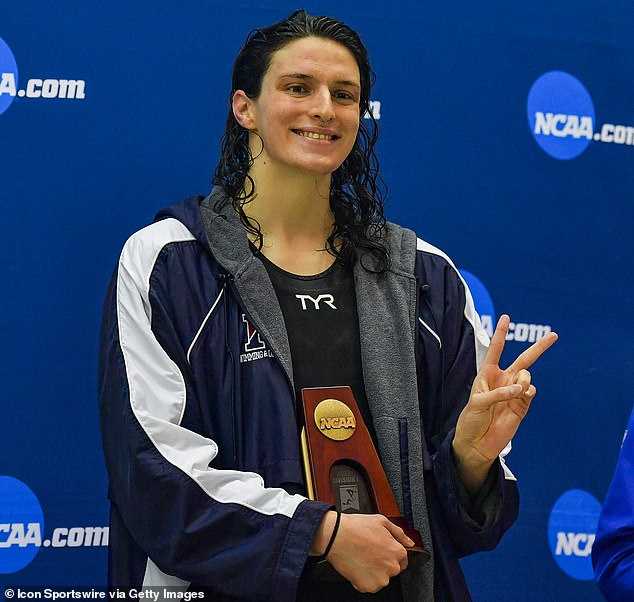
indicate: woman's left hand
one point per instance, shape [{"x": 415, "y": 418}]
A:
[{"x": 498, "y": 403}]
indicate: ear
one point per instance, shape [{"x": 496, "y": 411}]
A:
[{"x": 242, "y": 107}]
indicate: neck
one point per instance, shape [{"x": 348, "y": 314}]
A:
[{"x": 293, "y": 211}]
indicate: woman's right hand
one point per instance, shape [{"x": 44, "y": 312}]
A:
[{"x": 368, "y": 549}]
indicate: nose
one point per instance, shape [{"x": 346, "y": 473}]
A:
[{"x": 323, "y": 108}]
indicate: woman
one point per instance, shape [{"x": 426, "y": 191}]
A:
[{"x": 287, "y": 276}]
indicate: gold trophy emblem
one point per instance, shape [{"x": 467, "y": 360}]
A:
[{"x": 335, "y": 419}]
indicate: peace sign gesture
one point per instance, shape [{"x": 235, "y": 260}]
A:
[{"x": 497, "y": 405}]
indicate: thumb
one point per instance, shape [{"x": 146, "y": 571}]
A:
[
  {"x": 398, "y": 534},
  {"x": 483, "y": 401}
]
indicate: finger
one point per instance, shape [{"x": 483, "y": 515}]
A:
[
  {"x": 496, "y": 346},
  {"x": 381, "y": 585},
  {"x": 523, "y": 378},
  {"x": 398, "y": 534},
  {"x": 482, "y": 401},
  {"x": 527, "y": 358},
  {"x": 399, "y": 564},
  {"x": 529, "y": 394},
  {"x": 371, "y": 585}
]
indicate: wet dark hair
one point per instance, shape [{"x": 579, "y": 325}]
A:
[{"x": 356, "y": 191}]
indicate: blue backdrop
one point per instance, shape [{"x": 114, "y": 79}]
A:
[{"x": 507, "y": 139}]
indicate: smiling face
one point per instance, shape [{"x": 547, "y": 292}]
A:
[{"x": 307, "y": 113}]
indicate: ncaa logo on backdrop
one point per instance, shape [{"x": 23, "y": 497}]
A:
[
  {"x": 8, "y": 75},
  {"x": 35, "y": 87},
  {"x": 572, "y": 529},
  {"x": 561, "y": 117},
  {"x": 521, "y": 332},
  {"x": 22, "y": 528},
  {"x": 482, "y": 301},
  {"x": 21, "y": 525}
]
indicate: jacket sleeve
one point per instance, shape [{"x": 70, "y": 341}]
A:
[
  {"x": 221, "y": 529},
  {"x": 455, "y": 344},
  {"x": 613, "y": 549}
]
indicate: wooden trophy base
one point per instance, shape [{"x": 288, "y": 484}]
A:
[{"x": 342, "y": 466}]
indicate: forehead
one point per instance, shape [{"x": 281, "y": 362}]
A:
[{"x": 317, "y": 57}]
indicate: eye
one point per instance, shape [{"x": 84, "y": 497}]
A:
[
  {"x": 296, "y": 89},
  {"x": 344, "y": 95}
]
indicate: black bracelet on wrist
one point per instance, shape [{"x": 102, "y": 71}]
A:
[{"x": 324, "y": 556}]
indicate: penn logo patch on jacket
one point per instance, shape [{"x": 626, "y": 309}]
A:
[{"x": 254, "y": 348}]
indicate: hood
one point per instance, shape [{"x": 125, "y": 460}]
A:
[{"x": 220, "y": 232}]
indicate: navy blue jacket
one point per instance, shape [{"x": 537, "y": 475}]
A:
[{"x": 198, "y": 412}]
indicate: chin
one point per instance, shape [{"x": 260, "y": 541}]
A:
[{"x": 320, "y": 168}]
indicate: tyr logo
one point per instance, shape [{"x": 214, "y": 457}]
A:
[
  {"x": 329, "y": 300},
  {"x": 254, "y": 342}
]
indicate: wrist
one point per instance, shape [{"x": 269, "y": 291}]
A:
[
  {"x": 324, "y": 534},
  {"x": 471, "y": 466}
]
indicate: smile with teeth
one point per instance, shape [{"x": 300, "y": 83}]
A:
[{"x": 314, "y": 135}]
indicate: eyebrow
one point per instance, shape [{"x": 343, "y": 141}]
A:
[{"x": 304, "y": 76}]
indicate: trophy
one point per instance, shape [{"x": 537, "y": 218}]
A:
[{"x": 341, "y": 465}]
